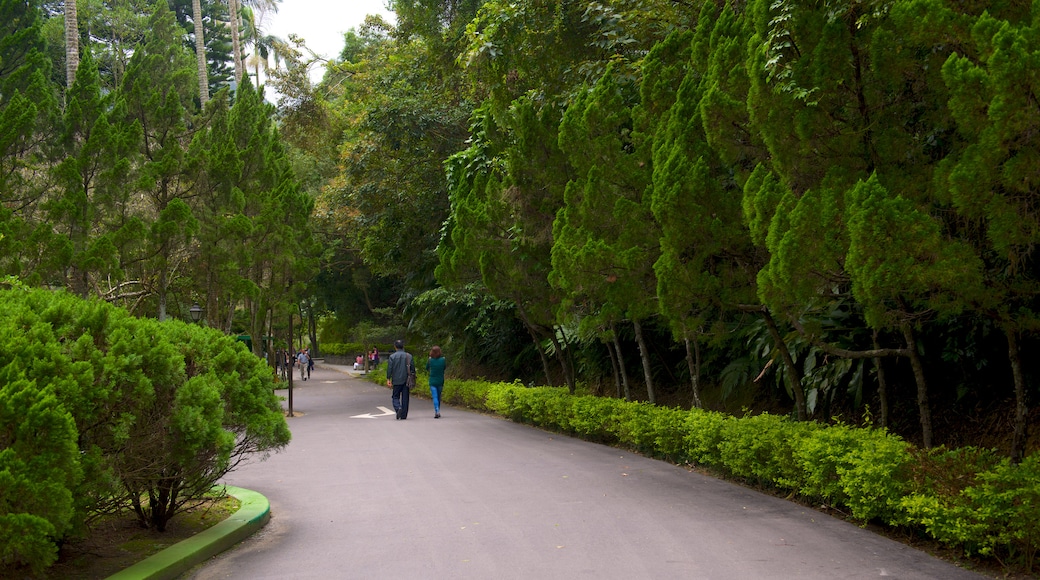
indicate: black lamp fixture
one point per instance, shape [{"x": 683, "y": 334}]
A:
[{"x": 196, "y": 312}]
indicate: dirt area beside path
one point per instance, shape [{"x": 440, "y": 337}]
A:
[{"x": 118, "y": 542}]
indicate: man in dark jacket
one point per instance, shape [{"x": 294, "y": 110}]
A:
[{"x": 398, "y": 367}]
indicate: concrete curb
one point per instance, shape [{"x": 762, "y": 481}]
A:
[{"x": 252, "y": 515}]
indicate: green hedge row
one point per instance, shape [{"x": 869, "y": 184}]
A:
[
  {"x": 102, "y": 411},
  {"x": 969, "y": 498},
  {"x": 354, "y": 348}
]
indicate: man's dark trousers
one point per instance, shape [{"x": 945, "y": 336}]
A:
[{"x": 400, "y": 399}]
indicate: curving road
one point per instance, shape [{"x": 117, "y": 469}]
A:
[{"x": 358, "y": 494}]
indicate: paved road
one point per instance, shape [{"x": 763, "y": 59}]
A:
[{"x": 474, "y": 496}]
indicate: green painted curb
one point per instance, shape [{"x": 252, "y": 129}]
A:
[{"x": 252, "y": 515}]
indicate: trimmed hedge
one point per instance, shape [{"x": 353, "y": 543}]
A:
[
  {"x": 352, "y": 349},
  {"x": 970, "y": 498}
]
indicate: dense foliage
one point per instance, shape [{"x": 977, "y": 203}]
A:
[
  {"x": 103, "y": 411},
  {"x": 125, "y": 184},
  {"x": 824, "y": 209}
]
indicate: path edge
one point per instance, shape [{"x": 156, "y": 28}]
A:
[{"x": 253, "y": 514}]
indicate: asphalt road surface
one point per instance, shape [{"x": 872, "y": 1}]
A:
[{"x": 359, "y": 494}]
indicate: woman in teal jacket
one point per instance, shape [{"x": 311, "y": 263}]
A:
[{"x": 435, "y": 366}]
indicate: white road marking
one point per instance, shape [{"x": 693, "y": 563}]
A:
[{"x": 384, "y": 413}]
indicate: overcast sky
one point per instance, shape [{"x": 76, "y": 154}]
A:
[{"x": 321, "y": 23}]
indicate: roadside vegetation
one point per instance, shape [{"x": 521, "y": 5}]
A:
[
  {"x": 115, "y": 542},
  {"x": 104, "y": 413},
  {"x": 971, "y": 500},
  {"x": 825, "y": 214}
]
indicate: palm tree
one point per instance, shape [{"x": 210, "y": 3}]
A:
[
  {"x": 236, "y": 45},
  {"x": 264, "y": 46},
  {"x": 236, "y": 20},
  {"x": 71, "y": 42},
  {"x": 200, "y": 50}
]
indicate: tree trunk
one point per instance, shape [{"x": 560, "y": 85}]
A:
[
  {"x": 693, "y": 360},
  {"x": 644, "y": 354},
  {"x": 236, "y": 43},
  {"x": 256, "y": 318},
  {"x": 621, "y": 364},
  {"x": 614, "y": 366},
  {"x": 561, "y": 357},
  {"x": 882, "y": 385},
  {"x": 71, "y": 42},
  {"x": 200, "y": 50},
  {"x": 922, "y": 387},
  {"x": 162, "y": 296},
  {"x": 794, "y": 378},
  {"x": 537, "y": 343},
  {"x": 541, "y": 355},
  {"x": 1018, "y": 442},
  {"x": 312, "y": 328}
]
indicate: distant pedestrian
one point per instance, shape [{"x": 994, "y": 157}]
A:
[
  {"x": 400, "y": 371},
  {"x": 304, "y": 361},
  {"x": 359, "y": 362},
  {"x": 435, "y": 366}
]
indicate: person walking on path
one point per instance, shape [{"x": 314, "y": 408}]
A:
[
  {"x": 399, "y": 368},
  {"x": 304, "y": 362},
  {"x": 435, "y": 366}
]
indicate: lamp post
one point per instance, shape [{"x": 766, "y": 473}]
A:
[
  {"x": 292, "y": 365},
  {"x": 196, "y": 312}
]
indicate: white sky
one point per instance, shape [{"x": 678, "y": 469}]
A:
[{"x": 321, "y": 23}]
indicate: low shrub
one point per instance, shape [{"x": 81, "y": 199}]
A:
[
  {"x": 100, "y": 409},
  {"x": 972, "y": 499},
  {"x": 352, "y": 349},
  {"x": 596, "y": 419},
  {"x": 760, "y": 448},
  {"x": 703, "y": 436}
]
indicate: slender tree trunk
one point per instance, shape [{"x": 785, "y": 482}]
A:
[
  {"x": 644, "y": 354},
  {"x": 211, "y": 314},
  {"x": 236, "y": 43},
  {"x": 794, "y": 378},
  {"x": 162, "y": 295},
  {"x": 621, "y": 364},
  {"x": 200, "y": 50},
  {"x": 256, "y": 318},
  {"x": 537, "y": 343},
  {"x": 1018, "y": 442},
  {"x": 541, "y": 355},
  {"x": 614, "y": 366},
  {"x": 312, "y": 327},
  {"x": 693, "y": 360},
  {"x": 922, "y": 387},
  {"x": 882, "y": 384},
  {"x": 229, "y": 319},
  {"x": 561, "y": 357},
  {"x": 71, "y": 42}
]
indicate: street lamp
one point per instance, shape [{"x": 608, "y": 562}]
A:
[{"x": 196, "y": 312}]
